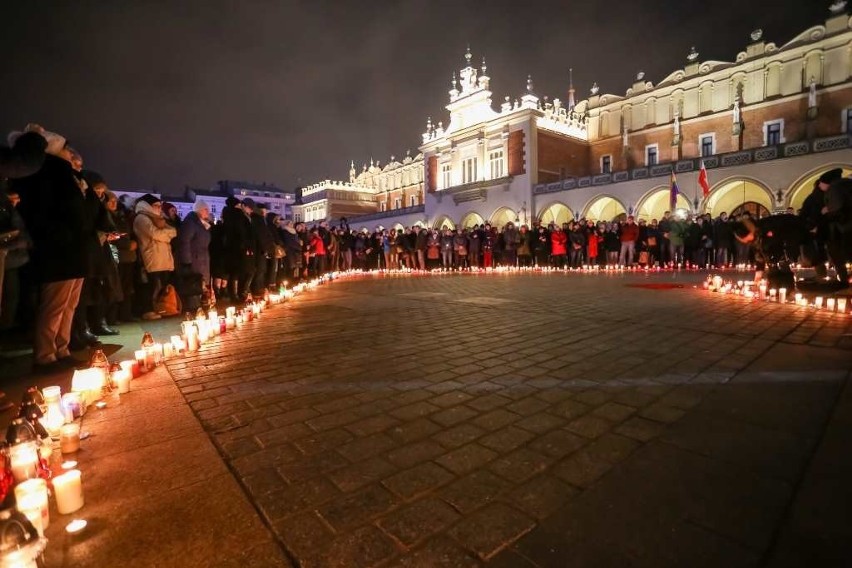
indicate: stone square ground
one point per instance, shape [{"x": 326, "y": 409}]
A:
[{"x": 498, "y": 420}]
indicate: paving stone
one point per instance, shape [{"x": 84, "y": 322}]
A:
[
  {"x": 611, "y": 447},
  {"x": 495, "y": 419},
  {"x": 415, "y": 453},
  {"x": 539, "y": 423},
  {"x": 296, "y": 498},
  {"x": 581, "y": 469},
  {"x": 371, "y": 425},
  {"x": 466, "y": 458},
  {"x": 614, "y": 411},
  {"x": 590, "y": 426},
  {"x": 506, "y": 439},
  {"x": 366, "y": 546},
  {"x": 304, "y": 534},
  {"x": 454, "y": 415},
  {"x": 640, "y": 429},
  {"x": 662, "y": 413},
  {"x": 473, "y": 491},
  {"x": 366, "y": 447},
  {"x": 541, "y": 496},
  {"x": 412, "y": 523},
  {"x": 311, "y": 466},
  {"x": 361, "y": 473},
  {"x": 519, "y": 465},
  {"x": 492, "y": 529},
  {"x": 488, "y": 402},
  {"x": 412, "y": 431},
  {"x": 421, "y": 478},
  {"x": 352, "y": 509},
  {"x": 438, "y": 552},
  {"x": 458, "y": 435},
  {"x": 449, "y": 399},
  {"x": 527, "y": 406},
  {"x": 558, "y": 443},
  {"x": 415, "y": 410},
  {"x": 322, "y": 441}
]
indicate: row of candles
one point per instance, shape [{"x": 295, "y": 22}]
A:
[
  {"x": 592, "y": 268},
  {"x": 101, "y": 385},
  {"x": 761, "y": 291}
]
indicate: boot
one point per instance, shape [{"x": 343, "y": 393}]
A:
[{"x": 103, "y": 329}]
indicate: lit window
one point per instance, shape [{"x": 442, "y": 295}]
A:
[
  {"x": 708, "y": 145},
  {"x": 606, "y": 164},
  {"x": 495, "y": 160},
  {"x": 446, "y": 171},
  {"x": 847, "y": 121},
  {"x": 469, "y": 170},
  {"x": 651, "y": 155}
]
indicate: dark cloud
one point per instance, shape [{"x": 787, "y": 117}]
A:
[{"x": 166, "y": 94}]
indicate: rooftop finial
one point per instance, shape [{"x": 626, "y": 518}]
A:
[
  {"x": 693, "y": 55},
  {"x": 595, "y": 89},
  {"x": 570, "y": 88},
  {"x": 468, "y": 56},
  {"x": 484, "y": 67},
  {"x": 453, "y": 82},
  {"x": 529, "y": 84}
]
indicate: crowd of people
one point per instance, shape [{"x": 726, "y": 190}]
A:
[{"x": 77, "y": 260}]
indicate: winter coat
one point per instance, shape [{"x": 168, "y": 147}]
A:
[
  {"x": 629, "y": 233},
  {"x": 593, "y": 241},
  {"x": 525, "y": 244},
  {"x": 154, "y": 236},
  {"x": 25, "y": 158},
  {"x": 290, "y": 239},
  {"x": 194, "y": 245},
  {"x": 420, "y": 240},
  {"x": 558, "y": 242},
  {"x": 473, "y": 243},
  {"x": 53, "y": 209},
  {"x": 238, "y": 242},
  {"x": 264, "y": 243},
  {"x": 460, "y": 244},
  {"x": 510, "y": 238},
  {"x": 124, "y": 245},
  {"x": 678, "y": 232},
  {"x": 447, "y": 242}
]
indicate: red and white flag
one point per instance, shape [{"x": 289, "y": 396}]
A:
[{"x": 702, "y": 180}]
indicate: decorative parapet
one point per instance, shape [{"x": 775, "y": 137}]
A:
[
  {"x": 763, "y": 154},
  {"x": 385, "y": 214}
]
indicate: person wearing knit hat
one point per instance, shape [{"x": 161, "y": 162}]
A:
[
  {"x": 248, "y": 203},
  {"x": 150, "y": 199},
  {"x": 193, "y": 255}
]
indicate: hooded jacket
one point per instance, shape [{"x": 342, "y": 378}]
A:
[{"x": 154, "y": 236}]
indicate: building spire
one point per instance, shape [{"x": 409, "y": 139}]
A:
[
  {"x": 468, "y": 56},
  {"x": 570, "y": 89},
  {"x": 529, "y": 84}
]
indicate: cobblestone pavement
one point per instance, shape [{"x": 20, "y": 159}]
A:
[{"x": 536, "y": 420}]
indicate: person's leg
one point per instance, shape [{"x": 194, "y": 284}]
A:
[
  {"x": 53, "y": 299},
  {"x": 63, "y": 337}
]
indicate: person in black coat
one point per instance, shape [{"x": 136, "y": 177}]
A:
[
  {"x": 53, "y": 208},
  {"x": 239, "y": 248}
]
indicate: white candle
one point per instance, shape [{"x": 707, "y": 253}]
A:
[
  {"x": 140, "y": 360},
  {"x": 782, "y": 295},
  {"x": 31, "y": 499},
  {"x": 76, "y": 526},
  {"x": 841, "y": 305},
  {"x": 24, "y": 461},
  {"x": 69, "y": 438},
  {"x": 68, "y": 490},
  {"x": 829, "y": 304},
  {"x": 121, "y": 378},
  {"x": 54, "y": 417},
  {"x": 818, "y": 302}
]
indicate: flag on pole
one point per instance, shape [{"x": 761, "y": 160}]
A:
[
  {"x": 673, "y": 193},
  {"x": 702, "y": 180}
]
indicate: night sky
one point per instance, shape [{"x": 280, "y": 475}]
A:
[{"x": 166, "y": 94}]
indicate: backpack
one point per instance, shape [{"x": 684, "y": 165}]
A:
[{"x": 168, "y": 302}]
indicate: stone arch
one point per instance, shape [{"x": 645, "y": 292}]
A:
[
  {"x": 502, "y": 216},
  {"x": 556, "y": 212},
  {"x": 802, "y": 187},
  {"x": 442, "y": 221},
  {"x": 733, "y": 192},
  {"x": 605, "y": 208},
  {"x": 471, "y": 219},
  {"x": 657, "y": 201}
]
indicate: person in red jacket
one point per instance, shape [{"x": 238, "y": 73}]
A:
[
  {"x": 558, "y": 247},
  {"x": 317, "y": 247},
  {"x": 629, "y": 236},
  {"x": 593, "y": 240}
]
